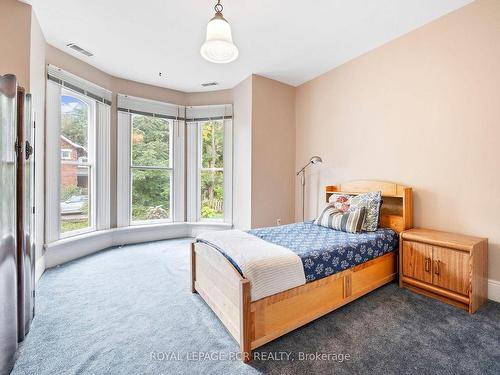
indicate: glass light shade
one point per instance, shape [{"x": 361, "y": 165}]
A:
[{"x": 219, "y": 47}]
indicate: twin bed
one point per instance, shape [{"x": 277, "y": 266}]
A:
[{"x": 267, "y": 282}]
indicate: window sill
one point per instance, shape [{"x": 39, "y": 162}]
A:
[
  {"x": 77, "y": 233},
  {"x": 70, "y": 248}
]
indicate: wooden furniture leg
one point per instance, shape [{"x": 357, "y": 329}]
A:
[
  {"x": 245, "y": 321},
  {"x": 193, "y": 268}
]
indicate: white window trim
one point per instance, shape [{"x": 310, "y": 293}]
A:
[
  {"x": 103, "y": 167},
  {"x": 178, "y": 184},
  {"x": 228, "y": 171},
  {"x": 53, "y": 158},
  {"x": 192, "y": 171},
  {"x": 123, "y": 173}
]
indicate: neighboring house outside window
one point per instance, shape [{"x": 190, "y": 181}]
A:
[{"x": 71, "y": 174}]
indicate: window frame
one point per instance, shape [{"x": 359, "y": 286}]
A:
[
  {"x": 91, "y": 164},
  {"x": 170, "y": 169}
]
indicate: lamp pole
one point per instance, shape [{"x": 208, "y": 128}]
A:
[{"x": 302, "y": 172}]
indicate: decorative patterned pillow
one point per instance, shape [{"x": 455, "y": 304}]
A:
[
  {"x": 350, "y": 221},
  {"x": 371, "y": 201}
]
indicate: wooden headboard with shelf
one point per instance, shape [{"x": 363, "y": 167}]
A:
[{"x": 397, "y": 201}]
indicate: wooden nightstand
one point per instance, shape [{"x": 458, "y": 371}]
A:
[{"x": 450, "y": 267}]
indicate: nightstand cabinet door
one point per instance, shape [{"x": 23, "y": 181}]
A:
[
  {"x": 417, "y": 261},
  {"x": 450, "y": 269}
]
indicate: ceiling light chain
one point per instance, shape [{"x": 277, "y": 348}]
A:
[{"x": 218, "y": 7}]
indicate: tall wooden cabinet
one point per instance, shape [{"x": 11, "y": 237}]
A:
[{"x": 446, "y": 266}]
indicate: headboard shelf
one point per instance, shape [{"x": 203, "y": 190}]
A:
[{"x": 397, "y": 201}]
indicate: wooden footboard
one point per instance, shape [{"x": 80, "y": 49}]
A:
[{"x": 253, "y": 324}]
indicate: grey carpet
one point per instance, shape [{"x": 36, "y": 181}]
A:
[{"x": 107, "y": 313}]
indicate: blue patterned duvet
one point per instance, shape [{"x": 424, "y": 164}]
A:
[{"x": 325, "y": 251}]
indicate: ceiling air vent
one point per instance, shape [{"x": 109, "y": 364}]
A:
[
  {"x": 77, "y": 48},
  {"x": 208, "y": 84}
]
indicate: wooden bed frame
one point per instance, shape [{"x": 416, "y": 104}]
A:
[{"x": 254, "y": 324}]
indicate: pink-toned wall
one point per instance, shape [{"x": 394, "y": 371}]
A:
[
  {"x": 242, "y": 154},
  {"x": 15, "y": 31},
  {"x": 264, "y": 148},
  {"x": 422, "y": 110},
  {"x": 273, "y": 148}
]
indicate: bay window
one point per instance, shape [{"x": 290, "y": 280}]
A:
[
  {"x": 174, "y": 164},
  {"x": 157, "y": 144}
]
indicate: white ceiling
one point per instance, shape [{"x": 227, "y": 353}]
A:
[{"x": 288, "y": 40}]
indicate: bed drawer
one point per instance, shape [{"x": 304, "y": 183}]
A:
[{"x": 371, "y": 276}]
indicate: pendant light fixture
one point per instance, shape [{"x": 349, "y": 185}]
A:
[{"x": 219, "y": 47}]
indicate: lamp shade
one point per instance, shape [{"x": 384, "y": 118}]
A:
[
  {"x": 219, "y": 47},
  {"x": 315, "y": 160}
]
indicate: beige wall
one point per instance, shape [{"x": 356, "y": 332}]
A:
[
  {"x": 423, "y": 110},
  {"x": 264, "y": 147},
  {"x": 209, "y": 97},
  {"x": 15, "y": 32},
  {"x": 273, "y": 149},
  {"x": 242, "y": 154}
]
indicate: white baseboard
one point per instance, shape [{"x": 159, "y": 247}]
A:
[
  {"x": 494, "y": 290},
  {"x": 71, "y": 248}
]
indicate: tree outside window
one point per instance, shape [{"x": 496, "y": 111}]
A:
[
  {"x": 212, "y": 170},
  {"x": 151, "y": 168}
]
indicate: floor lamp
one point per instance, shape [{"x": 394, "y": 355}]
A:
[{"x": 302, "y": 172}]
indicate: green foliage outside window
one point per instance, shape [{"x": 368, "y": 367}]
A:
[
  {"x": 150, "y": 187},
  {"x": 212, "y": 175}
]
